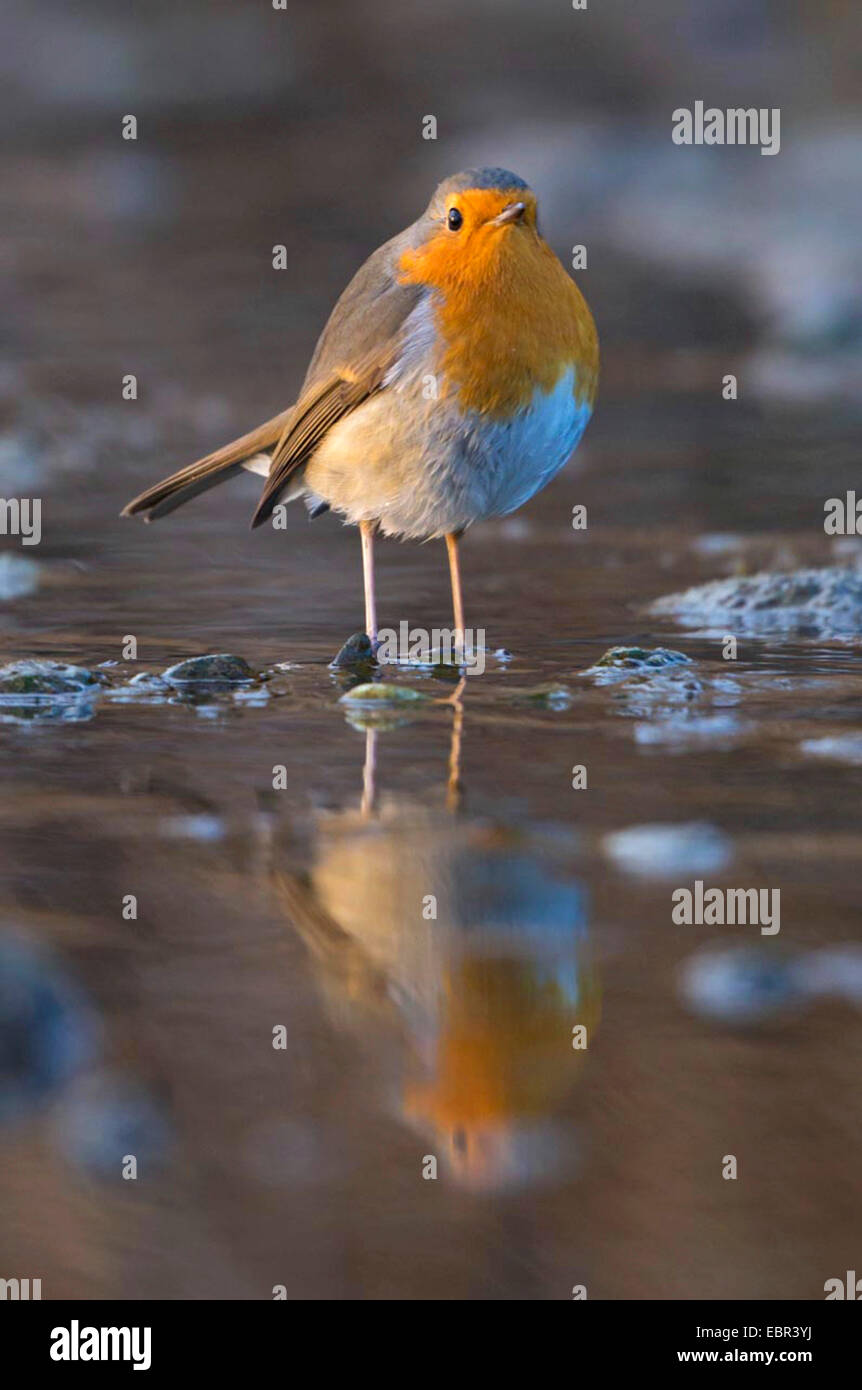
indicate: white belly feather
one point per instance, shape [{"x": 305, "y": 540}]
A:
[{"x": 423, "y": 468}]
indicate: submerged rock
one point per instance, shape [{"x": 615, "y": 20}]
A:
[
  {"x": 47, "y": 1031},
  {"x": 684, "y": 731},
  {"x": 195, "y": 682},
  {"x": 741, "y": 985},
  {"x": 19, "y": 575},
  {"x": 751, "y": 984},
  {"x": 382, "y": 705},
  {"x": 384, "y": 692},
  {"x": 810, "y": 602},
  {"x": 651, "y": 681},
  {"x": 626, "y": 660},
  {"x": 46, "y": 678},
  {"x": 219, "y": 669},
  {"x": 355, "y": 663},
  {"x": 38, "y": 691},
  {"x": 669, "y": 851},
  {"x": 357, "y": 651},
  {"x": 545, "y": 696},
  {"x": 842, "y": 748}
]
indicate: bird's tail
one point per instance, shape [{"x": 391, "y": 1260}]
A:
[{"x": 199, "y": 477}]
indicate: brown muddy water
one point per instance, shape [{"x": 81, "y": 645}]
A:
[
  {"x": 297, "y": 907},
  {"x": 304, "y": 909}
]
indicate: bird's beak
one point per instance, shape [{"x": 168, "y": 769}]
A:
[{"x": 512, "y": 213}]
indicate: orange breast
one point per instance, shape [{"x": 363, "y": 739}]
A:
[{"x": 509, "y": 317}]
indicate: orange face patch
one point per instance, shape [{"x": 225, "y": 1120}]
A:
[
  {"x": 510, "y": 318},
  {"x": 479, "y": 206}
]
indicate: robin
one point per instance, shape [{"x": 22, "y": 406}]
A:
[{"x": 453, "y": 379}]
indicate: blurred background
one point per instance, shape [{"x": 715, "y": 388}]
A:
[{"x": 301, "y": 909}]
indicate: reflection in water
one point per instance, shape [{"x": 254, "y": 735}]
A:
[
  {"x": 51, "y": 1061},
  {"x": 466, "y": 937},
  {"x": 47, "y": 1029}
]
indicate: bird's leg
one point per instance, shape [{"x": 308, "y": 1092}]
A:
[
  {"x": 453, "y": 786},
  {"x": 369, "y": 791},
  {"x": 457, "y": 600},
  {"x": 366, "y": 530}
]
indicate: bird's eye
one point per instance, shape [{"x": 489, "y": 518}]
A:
[{"x": 454, "y": 220}]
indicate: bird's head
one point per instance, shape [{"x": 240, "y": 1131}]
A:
[
  {"x": 472, "y": 220},
  {"x": 509, "y": 318}
]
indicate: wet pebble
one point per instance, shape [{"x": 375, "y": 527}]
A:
[
  {"x": 755, "y": 984},
  {"x": 383, "y": 692},
  {"x": 382, "y": 705},
  {"x": 682, "y": 731},
  {"x": 357, "y": 651},
  {"x": 18, "y": 576},
  {"x": 842, "y": 748},
  {"x": 46, "y": 678},
  {"x": 105, "y": 1121},
  {"x": 544, "y": 696},
  {"x": 47, "y": 1031},
  {"x": 43, "y": 691},
  {"x": 669, "y": 851},
  {"x": 222, "y": 668},
  {"x": 741, "y": 985},
  {"x": 621, "y": 662},
  {"x": 647, "y": 681}
]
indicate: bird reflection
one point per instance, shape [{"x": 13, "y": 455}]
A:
[{"x": 466, "y": 937}]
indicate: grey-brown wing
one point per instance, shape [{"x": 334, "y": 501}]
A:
[{"x": 355, "y": 351}]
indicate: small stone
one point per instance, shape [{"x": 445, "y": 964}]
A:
[
  {"x": 641, "y": 659},
  {"x": 841, "y": 748},
  {"x": 546, "y": 696},
  {"x": 669, "y": 851},
  {"x": 45, "y": 678},
  {"x": 19, "y": 575},
  {"x": 219, "y": 669},
  {"x": 682, "y": 732},
  {"x": 47, "y": 1029},
  {"x": 357, "y": 650},
  {"x": 648, "y": 680},
  {"x": 382, "y": 705},
  {"x": 383, "y": 692},
  {"x": 741, "y": 985}
]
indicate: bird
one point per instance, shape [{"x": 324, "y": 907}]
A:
[
  {"x": 469, "y": 1000},
  {"x": 454, "y": 378}
]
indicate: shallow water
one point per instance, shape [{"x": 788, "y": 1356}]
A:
[
  {"x": 304, "y": 914},
  {"x": 405, "y": 1037}
]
